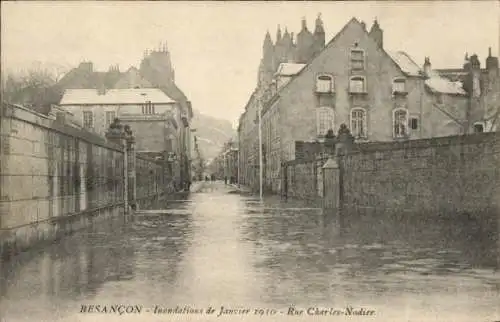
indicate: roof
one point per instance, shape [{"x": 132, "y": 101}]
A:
[
  {"x": 289, "y": 69},
  {"x": 436, "y": 83},
  {"x": 439, "y": 84},
  {"x": 79, "y": 78},
  {"x": 115, "y": 96},
  {"x": 405, "y": 63},
  {"x": 131, "y": 79}
]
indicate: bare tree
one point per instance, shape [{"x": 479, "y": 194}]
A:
[{"x": 34, "y": 87}]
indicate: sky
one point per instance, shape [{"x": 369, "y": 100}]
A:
[{"x": 216, "y": 46}]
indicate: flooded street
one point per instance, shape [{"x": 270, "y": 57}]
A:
[{"x": 219, "y": 248}]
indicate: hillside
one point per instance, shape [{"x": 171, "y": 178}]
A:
[{"x": 212, "y": 133}]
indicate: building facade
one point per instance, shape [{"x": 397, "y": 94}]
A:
[
  {"x": 225, "y": 165},
  {"x": 155, "y": 72},
  {"x": 379, "y": 94},
  {"x": 154, "y": 118}
]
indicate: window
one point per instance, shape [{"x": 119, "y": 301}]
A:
[
  {"x": 88, "y": 120},
  {"x": 325, "y": 120},
  {"x": 439, "y": 98},
  {"x": 148, "y": 108},
  {"x": 414, "y": 123},
  {"x": 399, "y": 85},
  {"x": 357, "y": 84},
  {"x": 357, "y": 59},
  {"x": 110, "y": 117},
  {"x": 478, "y": 127},
  {"x": 400, "y": 121},
  {"x": 358, "y": 123},
  {"x": 324, "y": 84},
  {"x": 291, "y": 151}
]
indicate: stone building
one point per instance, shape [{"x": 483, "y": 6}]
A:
[
  {"x": 381, "y": 95},
  {"x": 152, "y": 115},
  {"x": 225, "y": 164},
  {"x": 155, "y": 72}
]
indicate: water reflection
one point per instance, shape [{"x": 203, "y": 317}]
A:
[
  {"x": 217, "y": 248},
  {"x": 305, "y": 252},
  {"x": 78, "y": 265}
]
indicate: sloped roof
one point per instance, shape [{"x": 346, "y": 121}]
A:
[
  {"x": 442, "y": 85},
  {"x": 289, "y": 69},
  {"x": 80, "y": 78},
  {"x": 132, "y": 78},
  {"x": 405, "y": 63},
  {"x": 115, "y": 96}
]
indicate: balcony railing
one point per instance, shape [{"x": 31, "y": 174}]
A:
[{"x": 140, "y": 116}]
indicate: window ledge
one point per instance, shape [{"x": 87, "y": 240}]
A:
[
  {"x": 358, "y": 93},
  {"x": 401, "y": 138},
  {"x": 317, "y": 91},
  {"x": 399, "y": 93}
]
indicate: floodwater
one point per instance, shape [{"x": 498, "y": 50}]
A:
[{"x": 270, "y": 261}]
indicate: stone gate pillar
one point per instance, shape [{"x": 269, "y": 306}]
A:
[
  {"x": 131, "y": 166},
  {"x": 333, "y": 175},
  {"x": 331, "y": 193},
  {"x": 116, "y": 134}
]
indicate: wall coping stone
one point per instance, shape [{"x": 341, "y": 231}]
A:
[
  {"x": 467, "y": 139},
  {"x": 26, "y": 115}
]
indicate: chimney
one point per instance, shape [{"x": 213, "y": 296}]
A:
[
  {"x": 466, "y": 62},
  {"x": 474, "y": 61},
  {"x": 427, "y": 67},
  {"x": 491, "y": 63},
  {"x": 377, "y": 34},
  {"x": 475, "y": 76},
  {"x": 363, "y": 24},
  {"x": 86, "y": 66}
]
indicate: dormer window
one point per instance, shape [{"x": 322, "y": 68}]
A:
[
  {"x": 398, "y": 86},
  {"x": 478, "y": 127},
  {"x": 324, "y": 83},
  {"x": 357, "y": 59},
  {"x": 148, "y": 108},
  {"x": 357, "y": 84}
]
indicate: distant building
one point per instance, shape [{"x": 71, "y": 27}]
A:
[
  {"x": 225, "y": 165},
  {"x": 155, "y": 74},
  {"x": 379, "y": 94},
  {"x": 152, "y": 115}
]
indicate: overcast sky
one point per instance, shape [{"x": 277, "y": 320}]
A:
[{"x": 216, "y": 46}]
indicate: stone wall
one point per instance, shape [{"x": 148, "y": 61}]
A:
[
  {"x": 304, "y": 179},
  {"x": 453, "y": 177},
  {"x": 447, "y": 177},
  {"x": 56, "y": 178}
]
